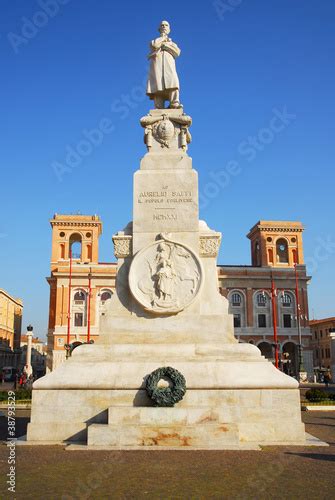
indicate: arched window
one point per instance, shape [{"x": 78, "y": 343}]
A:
[
  {"x": 262, "y": 310},
  {"x": 106, "y": 295},
  {"x": 79, "y": 296},
  {"x": 282, "y": 251},
  {"x": 78, "y": 310},
  {"x": 261, "y": 299},
  {"x": 236, "y": 299},
  {"x": 75, "y": 246},
  {"x": 237, "y": 308},
  {"x": 286, "y": 299},
  {"x": 287, "y": 309}
]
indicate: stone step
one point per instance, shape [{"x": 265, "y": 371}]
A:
[
  {"x": 199, "y": 374},
  {"x": 200, "y": 427},
  {"x": 160, "y": 416},
  {"x": 190, "y": 351},
  {"x": 186, "y": 336},
  {"x": 184, "y": 436}
]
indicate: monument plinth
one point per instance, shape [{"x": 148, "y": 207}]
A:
[{"x": 167, "y": 312}]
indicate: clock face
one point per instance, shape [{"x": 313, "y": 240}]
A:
[{"x": 282, "y": 247}]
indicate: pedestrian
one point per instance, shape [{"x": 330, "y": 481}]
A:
[{"x": 327, "y": 378}]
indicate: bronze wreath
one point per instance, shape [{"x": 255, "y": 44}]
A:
[{"x": 166, "y": 396}]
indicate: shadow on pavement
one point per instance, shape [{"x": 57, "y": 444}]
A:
[
  {"x": 22, "y": 419},
  {"x": 315, "y": 456}
]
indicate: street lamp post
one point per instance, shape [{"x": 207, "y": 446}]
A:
[
  {"x": 273, "y": 293},
  {"x": 68, "y": 336},
  {"x": 89, "y": 308},
  {"x": 274, "y": 320},
  {"x": 28, "y": 367}
]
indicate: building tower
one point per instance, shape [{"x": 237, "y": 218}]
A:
[
  {"x": 276, "y": 244},
  {"x": 79, "y": 285},
  {"x": 80, "y": 233}
]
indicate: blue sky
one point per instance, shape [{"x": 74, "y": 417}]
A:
[{"x": 242, "y": 64}]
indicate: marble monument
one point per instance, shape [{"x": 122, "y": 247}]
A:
[{"x": 167, "y": 312}]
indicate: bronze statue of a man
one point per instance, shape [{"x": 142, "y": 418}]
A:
[{"x": 163, "y": 81}]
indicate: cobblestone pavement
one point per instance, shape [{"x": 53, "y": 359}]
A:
[{"x": 51, "y": 472}]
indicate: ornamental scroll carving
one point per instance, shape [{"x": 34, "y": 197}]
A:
[
  {"x": 165, "y": 277},
  {"x": 122, "y": 246},
  {"x": 209, "y": 245}
]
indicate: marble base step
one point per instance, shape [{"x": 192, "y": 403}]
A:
[
  {"x": 261, "y": 415},
  {"x": 207, "y": 428},
  {"x": 160, "y": 416},
  {"x": 163, "y": 427},
  {"x": 189, "y": 351},
  {"x": 199, "y": 374},
  {"x": 201, "y": 436}
]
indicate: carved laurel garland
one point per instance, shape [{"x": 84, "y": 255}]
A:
[{"x": 166, "y": 396}]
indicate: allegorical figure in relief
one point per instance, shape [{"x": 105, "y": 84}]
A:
[
  {"x": 165, "y": 273},
  {"x": 163, "y": 81}
]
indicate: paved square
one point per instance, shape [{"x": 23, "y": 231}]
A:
[{"x": 276, "y": 472}]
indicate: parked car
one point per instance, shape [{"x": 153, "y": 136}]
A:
[{"x": 9, "y": 373}]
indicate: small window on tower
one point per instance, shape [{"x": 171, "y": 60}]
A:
[
  {"x": 294, "y": 256},
  {"x": 282, "y": 251},
  {"x": 75, "y": 246},
  {"x": 257, "y": 254},
  {"x": 89, "y": 252},
  {"x": 62, "y": 251}
]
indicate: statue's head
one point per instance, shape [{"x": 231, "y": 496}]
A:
[{"x": 164, "y": 28}]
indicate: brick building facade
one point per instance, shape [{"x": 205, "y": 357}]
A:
[
  {"x": 10, "y": 328},
  {"x": 322, "y": 330}
]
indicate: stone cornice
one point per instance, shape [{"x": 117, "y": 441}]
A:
[
  {"x": 16, "y": 300},
  {"x": 276, "y": 227},
  {"x": 281, "y": 229},
  {"x": 75, "y": 223}
]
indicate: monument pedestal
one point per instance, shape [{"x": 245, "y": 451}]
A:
[
  {"x": 234, "y": 398},
  {"x": 167, "y": 311}
]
